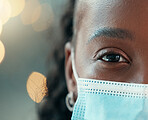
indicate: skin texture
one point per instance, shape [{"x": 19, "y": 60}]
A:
[{"x": 106, "y": 27}]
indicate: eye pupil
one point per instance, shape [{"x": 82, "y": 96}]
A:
[{"x": 112, "y": 58}]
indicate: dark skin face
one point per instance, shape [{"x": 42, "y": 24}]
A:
[{"x": 112, "y": 42}]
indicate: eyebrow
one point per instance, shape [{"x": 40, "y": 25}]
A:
[{"x": 112, "y": 33}]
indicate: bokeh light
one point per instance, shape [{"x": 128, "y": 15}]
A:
[
  {"x": 5, "y": 11},
  {"x": 36, "y": 86},
  {"x": 31, "y": 12},
  {"x": 2, "y": 51},
  {"x": 36, "y": 14},
  {"x": 17, "y": 7},
  {"x": 45, "y": 19}
]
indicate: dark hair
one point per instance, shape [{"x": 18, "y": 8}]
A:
[{"x": 53, "y": 106}]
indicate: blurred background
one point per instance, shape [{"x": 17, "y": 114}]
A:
[{"x": 25, "y": 42}]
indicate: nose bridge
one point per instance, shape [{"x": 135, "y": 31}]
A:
[
  {"x": 142, "y": 61},
  {"x": 144, "y": 69},
  {"x": 145, "y": 78}
]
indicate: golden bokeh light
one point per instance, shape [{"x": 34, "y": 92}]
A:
[
  {"x": 36, "y": 86},
  {"x": 2, "y": 51},
  {"x": 31, "y": 12},
  {"x": 17, "y": 7},
  {"x": 5, "y": 11},
  {"x": 45, "y": 19}
]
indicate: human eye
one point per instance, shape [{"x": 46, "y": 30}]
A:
[{"x": 113, "y": 55}]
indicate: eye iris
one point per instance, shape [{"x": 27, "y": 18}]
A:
[{"x": 112, "y": 58}]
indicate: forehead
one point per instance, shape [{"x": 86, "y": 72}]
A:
[{"x": 126, "y": 14}]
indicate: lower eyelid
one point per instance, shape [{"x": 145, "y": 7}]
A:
[{"x": 113, "y": 66}]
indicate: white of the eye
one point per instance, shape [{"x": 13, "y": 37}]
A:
[{"x": 122, "y": 59}]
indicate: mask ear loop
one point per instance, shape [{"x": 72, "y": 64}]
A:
[{"x": 73, "y": 64}]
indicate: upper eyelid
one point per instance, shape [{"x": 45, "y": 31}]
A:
[{"x": 110, "y": 52}]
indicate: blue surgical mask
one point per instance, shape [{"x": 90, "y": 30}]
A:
[{"x": 107, "y": 100}]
